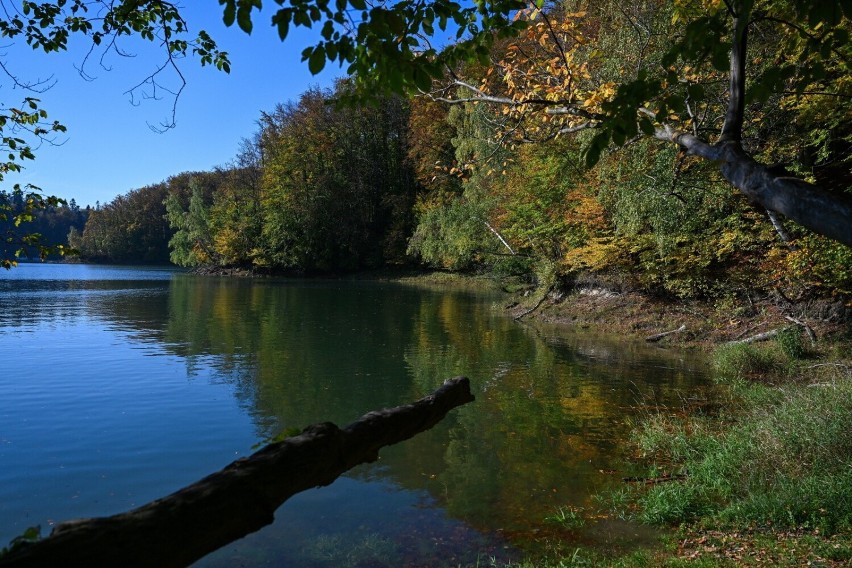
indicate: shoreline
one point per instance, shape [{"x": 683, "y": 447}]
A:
[
  {"x": 686, "y": 324},
  {"x": 672, "y": 322}
]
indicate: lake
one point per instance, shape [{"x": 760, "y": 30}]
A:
[{"x": 122, "y": 384}]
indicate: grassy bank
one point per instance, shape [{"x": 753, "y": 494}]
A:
[
  {"x": 777, "y": 454},
  {"x": 763, "y": 478}
]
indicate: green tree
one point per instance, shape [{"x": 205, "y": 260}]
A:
[
  {"x": 456, "y": 219},
  {"x": 192, "y": 242},
  {"x": 235, "y": 216},
  {"x": 337, "y": 185},
  {"x": 390, "y": 45},
  {"x": 33, "y": 225}
]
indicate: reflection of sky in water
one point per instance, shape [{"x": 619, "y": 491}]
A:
[
  {"x": 68, "y": 273},
  {"x": 121, "y": 390}
]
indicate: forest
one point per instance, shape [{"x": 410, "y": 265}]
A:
[{"x": 486, "y": 170}]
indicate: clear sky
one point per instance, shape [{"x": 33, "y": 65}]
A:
[{"x": 110, "y": 149}]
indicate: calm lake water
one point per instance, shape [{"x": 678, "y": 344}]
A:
[{"x": 120, "y": 385}]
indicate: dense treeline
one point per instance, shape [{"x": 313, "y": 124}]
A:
[
  {"x": 319, "y": 188},
  {"x": 460, "y": 180},
  {"x": 647, "y": 212},
  {"x": 132, "y": 228}
]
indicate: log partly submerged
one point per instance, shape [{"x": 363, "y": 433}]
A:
[{"x": 239, "y": 499}]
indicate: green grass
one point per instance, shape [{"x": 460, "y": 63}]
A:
[
  {"x": 778, "y": 456},
  {"x": 742, "y": 360},
  {"x": 567, "y": 517}
]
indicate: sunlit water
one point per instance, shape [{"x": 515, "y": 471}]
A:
[{"x": 120, "y": 385}]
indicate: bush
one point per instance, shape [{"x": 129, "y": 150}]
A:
[{"x": 790, "y": 341}]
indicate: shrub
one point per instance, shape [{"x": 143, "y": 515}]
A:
[{"x": 790, "y": 341}]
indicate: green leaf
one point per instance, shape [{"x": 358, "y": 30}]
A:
[
  {"x": 230, "y": 12},
  {"x": 331, "y": 51},
  {"x": 597, "y": 146},
  {"x": 358, "y": 4},
  {"x": 695, "y": 91},
  {"x": 395, "y": 23},
  {"x": 281, "y": 19},
  {"x": 316, "y": 62},
  {"x": 721, "y": 58},
  {"x": 618, "y": 136},
  {"x": 422, "y": 80},
  {"x": 244, "y": 19}
]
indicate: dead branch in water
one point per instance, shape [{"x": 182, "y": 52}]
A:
[{"x": 183, "y": 527}]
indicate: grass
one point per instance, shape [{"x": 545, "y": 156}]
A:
[
  {"x": 766, "y": 481},
  {"x": 567, "y": 517},
  {"x": 782, "y": 458}
]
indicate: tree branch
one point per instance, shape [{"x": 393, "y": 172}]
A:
[{"x": 824, "y": 212}]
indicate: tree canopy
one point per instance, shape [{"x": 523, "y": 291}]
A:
[
  {"x": 663, "y": 96},
  {"x": 753, "y": 92}
]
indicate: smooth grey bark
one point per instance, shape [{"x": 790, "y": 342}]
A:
[
  {"x": 237, "y": 500},
  {"x": 823, "y": 212},
  {"x": 826, "y": 213}
]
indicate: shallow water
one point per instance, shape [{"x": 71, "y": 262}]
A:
[{"x": 123, "y": 384}]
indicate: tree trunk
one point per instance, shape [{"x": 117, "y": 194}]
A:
[{"x": 240, "y": 499}]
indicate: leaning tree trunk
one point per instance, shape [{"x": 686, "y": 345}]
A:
[{"x": 240, "y": 499}]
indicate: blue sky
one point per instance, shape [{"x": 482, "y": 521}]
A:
[{"x": 110, "y": 149}]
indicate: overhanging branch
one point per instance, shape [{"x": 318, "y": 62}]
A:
[{"x": 821, "y": 211}]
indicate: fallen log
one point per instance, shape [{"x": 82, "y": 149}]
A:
[
  {"x": 194, "y": 521},
  {"x": 658, "y": 336},
  {"x": 759, "y": 337}
]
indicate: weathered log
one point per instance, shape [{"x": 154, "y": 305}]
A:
[
  {"x": 759, "y": 337},
  {"x": 658, "y": 336},
  {"x": 240, "y": 499}
]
